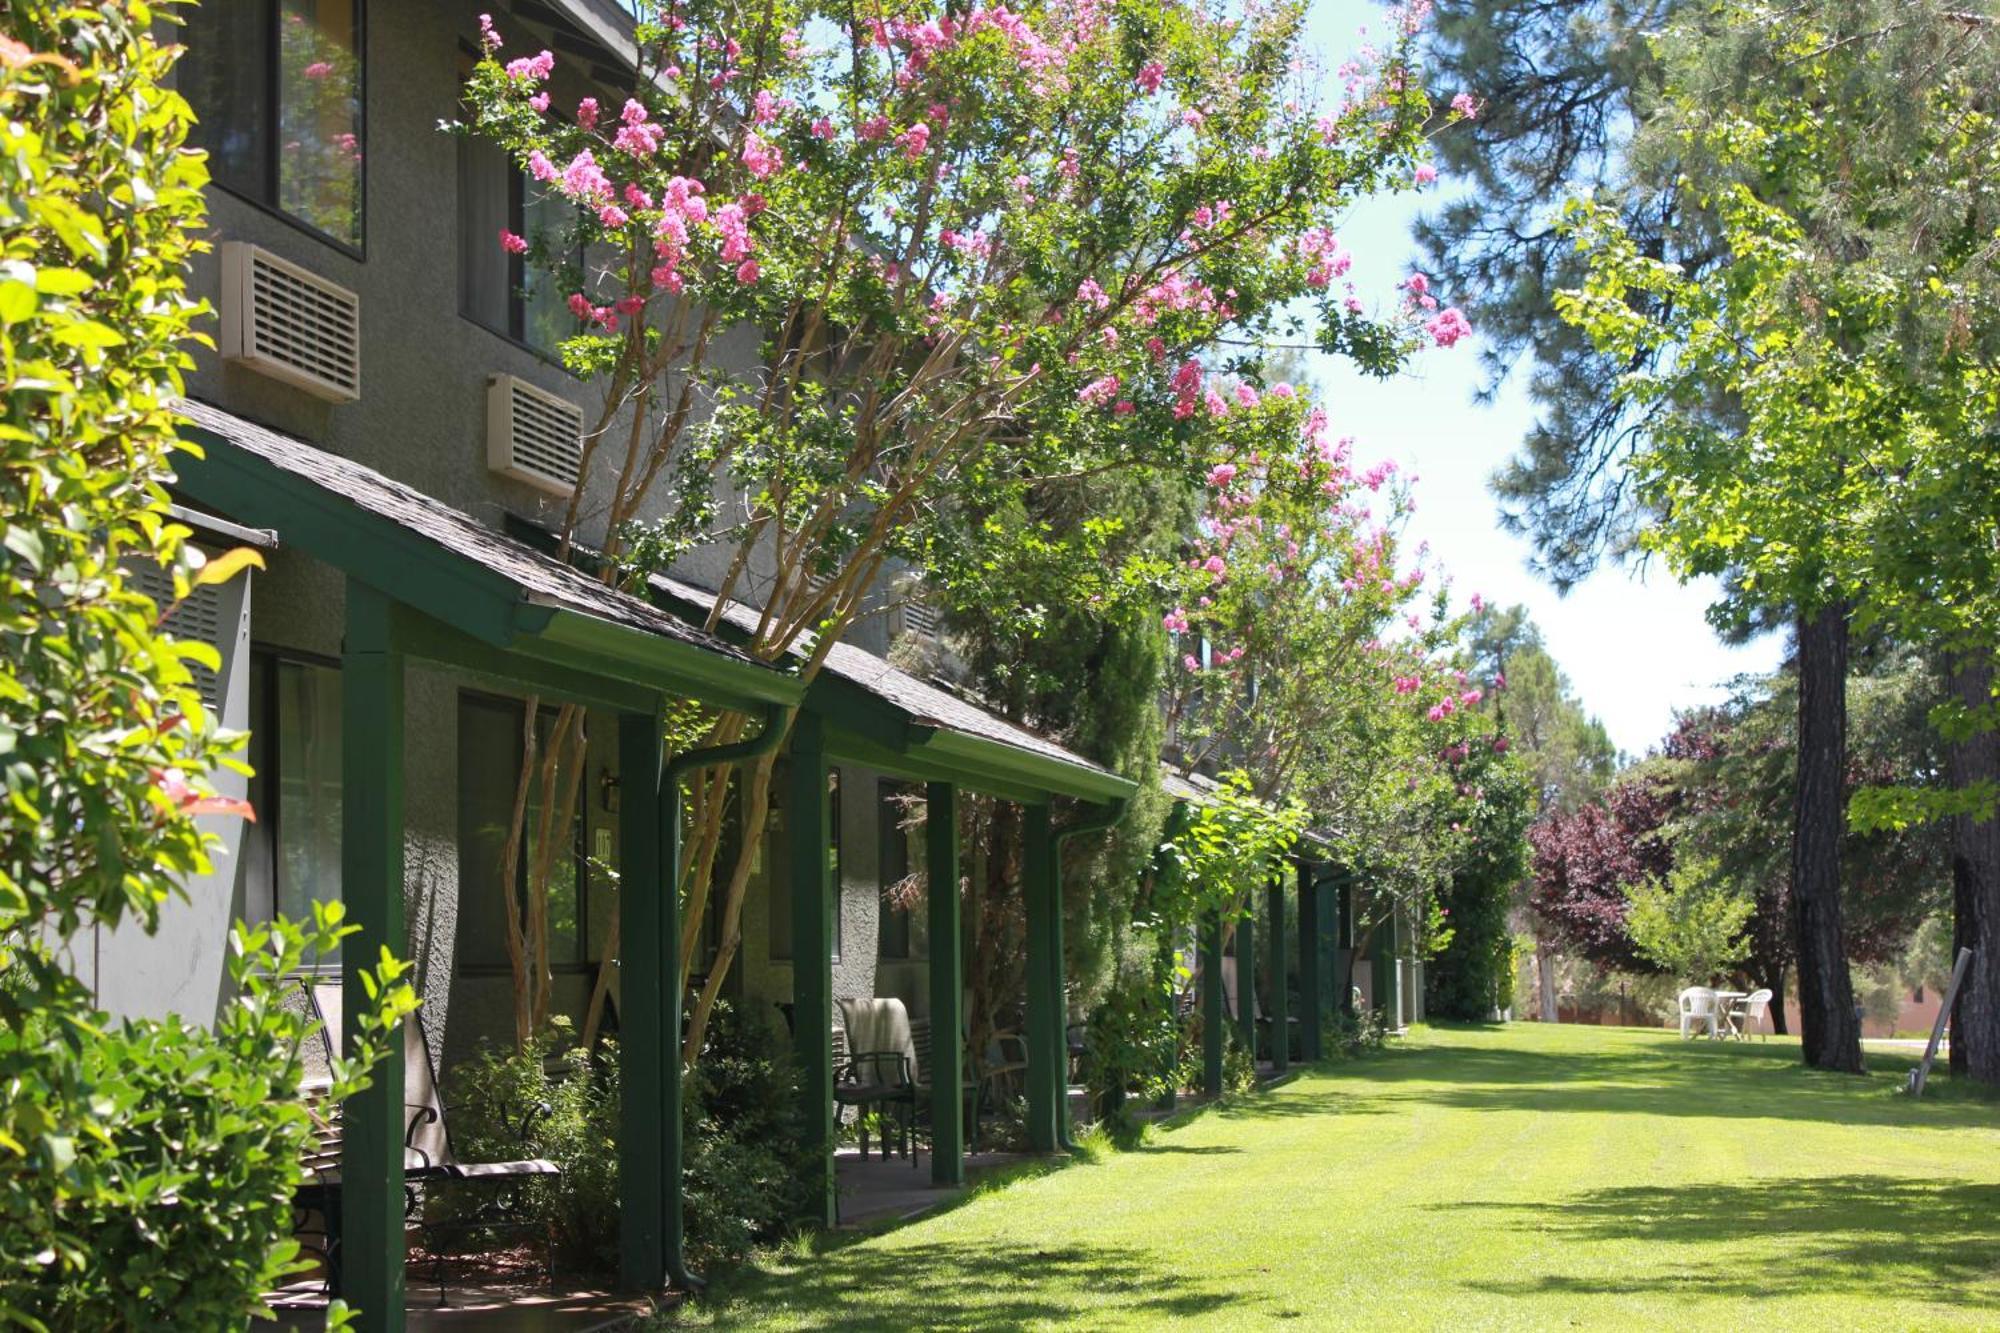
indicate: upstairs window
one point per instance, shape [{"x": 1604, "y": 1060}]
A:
[
  {"x": 500, "y": 290},
  {"x": 276, "y": 87}
]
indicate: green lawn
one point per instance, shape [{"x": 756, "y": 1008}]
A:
[{"x": 1520, "y": 1177}]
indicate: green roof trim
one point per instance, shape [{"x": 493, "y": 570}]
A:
[{"x": 478, "y": 584}]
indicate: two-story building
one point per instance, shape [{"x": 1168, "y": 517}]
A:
[{"x": 384, "y": 414}]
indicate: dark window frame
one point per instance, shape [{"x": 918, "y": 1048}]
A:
[
  {"x": 265, "y": 661},
  {"x": 579, "y": 853},
  {"x": 273, "y": 62}
]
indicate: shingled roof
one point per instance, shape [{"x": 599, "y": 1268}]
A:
[
  {"x": 540, "y": 579},
  {"x": 921, "y": 701}
]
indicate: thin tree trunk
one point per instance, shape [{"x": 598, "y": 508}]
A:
[
  {"x": 1831, "y": 1035},
  {"x": 1975, "y": 877},
  {"x": 1780, "y": 1024},
  {"x": 1545, "y": 972}
]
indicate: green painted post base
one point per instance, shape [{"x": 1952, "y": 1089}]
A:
[
  {"x": 947, "y": 1072},
  {"x": 1279, "y": 1010},
  {"x": 371, "y": 867},
  {"x": 1046, "y": 1076},
  {"x": 809, "y": 833},
  {"x": 1311, "y": 986}
]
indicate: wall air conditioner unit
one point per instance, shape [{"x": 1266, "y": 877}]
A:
[
  {"x": 289, "y": 323},
  {"x": 533, "y": 436},
  {"x": 917, "y": 621}
]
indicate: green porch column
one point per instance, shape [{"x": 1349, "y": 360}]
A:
[
  {"x": 371, "y": 873},
  {"x": 1311, "y": 992},
  {"x": 1246, "y": 977},
  {"x": 1340, "y": 895},
  {"x": 1057, "y": 976},
  {"x": 1281, "y": 1002},
  {"x": 1383, "y": 947},
  {"x": 947, "y": 986},
  {"x": 1038, "y": 889},
  {"x": 808, "y": 827},
  {"x": 1211, "y": 1005},
  {"x": 643, "y": 887}
]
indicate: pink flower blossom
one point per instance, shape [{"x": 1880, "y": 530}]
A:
[
  {"x": 1217, "y": 405},
  {"x": 1283, "y": 390},
  {"x": 1216, "y": 565},
  {"x": 1091, "y": 294},
  {"x": 1499, "y": 745},
  {"x": 746, "y": 272},
  {"x": 586, "y": 113},
  {"x": 1426, "y": 173},
  {"x": 1417, "y": 284},
  {"x": 1465, "y": 104},
  {"x": 540, "y": 167},
  {"x": 875, "y": 127},
  {"x": 512, "y": 244},
  {"x": 1098, "y": 391},
  {"x": 762, "y": 158},
  {"x": 1175, "y": 621},
  {"x": 1499, "y": 680},
  {"x": 822, "y": 128},
  {"x": 1408, "y": 684},
  {"x": 914, "y": 140},
  {"x": 630, "y": 305},
  {"x": 1478, "y": 603},
  {"x": 540, "y": 103},
  {"x": 536, "y": 67},
  {"x": 1471, "y": 697},
  {"x": 489, "y": 39},
  {"x": 1447, "y": 327},
  {"x": 319, "y": 69},
  {"x": 1246, "y": 395},
  {"x": 1189, "y": 662},
  {"x": 1221, "y": 475},
  {"x": 1149, "y": 77}
]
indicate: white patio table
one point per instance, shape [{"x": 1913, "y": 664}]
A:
[{"x": 1726, "y": 1024}]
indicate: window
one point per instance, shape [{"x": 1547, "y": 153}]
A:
[
  {"x": 291, "y": 855},
  {"x": 489, "y": 770},
  {"x": 892, "y": 814},
  {"x": 499, "y": 290},
  {"x": 276, "y": 89}
]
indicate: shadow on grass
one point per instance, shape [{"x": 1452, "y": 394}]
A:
[
  {"x": 838, "y": 1285},
  {"x": 1883, "y": 1236}
]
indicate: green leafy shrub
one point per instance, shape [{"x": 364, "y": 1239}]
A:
[
  {"x": 746, "y": 1163},
  {"x": 1349, "y": 1034},
  {"x": 497, "y": 1094},
  {"x": 148, "y": 1181}
]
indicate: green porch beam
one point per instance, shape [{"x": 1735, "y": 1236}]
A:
[
  {"x": 947, "y": 986},
  {"x": 643, "y": 1050},
  {"x": 1211, "y": 1005},
  {"x": 371, "y": 872},
  {"x": 1311, "y": 994},
  {"x": 1246, "y": 977},
  {"x": 1280, "y": 1007},
  {"x": 809, "y": 831},
  {"x": 1046, "y": 1080}
]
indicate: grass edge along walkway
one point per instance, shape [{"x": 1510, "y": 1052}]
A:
[{"x": 1492, "y": 1177}]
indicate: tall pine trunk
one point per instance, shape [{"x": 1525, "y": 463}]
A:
[
  {"x": 1975, "y": 877},
  {"x": 1830, "y": 1033}
]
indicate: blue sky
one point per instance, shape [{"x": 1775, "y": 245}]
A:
[{"x": 1635, "y": 646}]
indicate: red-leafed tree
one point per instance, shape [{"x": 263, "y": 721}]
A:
[{"x": 1582, "y": 862}]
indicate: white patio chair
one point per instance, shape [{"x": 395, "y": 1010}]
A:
[
  {"x": 1697, "y": 1005},
  {"x": 1752, "y": 1009}
]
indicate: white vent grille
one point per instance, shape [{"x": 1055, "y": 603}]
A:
[
  {"x": 289, "y": 323},
  {"x": 198, "y": 619},
  {"x": 533, "y": 436},
  {"x": 919, "y": 621}
]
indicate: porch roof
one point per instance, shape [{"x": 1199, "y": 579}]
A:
[
  {"x": 474, "y": 589},
  {"x": 880, "y": 715}
]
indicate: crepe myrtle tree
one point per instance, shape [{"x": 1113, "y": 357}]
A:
[{"x": 985, "y": 248}]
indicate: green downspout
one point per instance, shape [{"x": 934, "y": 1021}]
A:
[
  {"x": 777, "y": 723},
  {"x": 1107, "y": 815}
]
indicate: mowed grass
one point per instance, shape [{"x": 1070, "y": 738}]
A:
[{"x": 1517, "y": 1177}]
